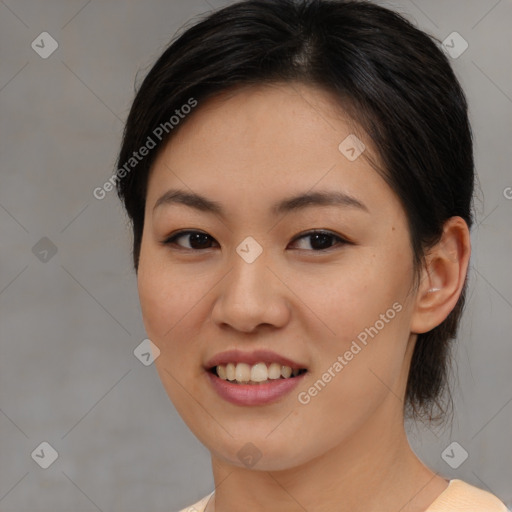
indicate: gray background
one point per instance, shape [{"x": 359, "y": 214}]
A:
[{"x": 69, "y": 325}]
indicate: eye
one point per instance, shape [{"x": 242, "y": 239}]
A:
[
  {"x": 321, "y": 240},
  {"x": 197, "y": 240}
]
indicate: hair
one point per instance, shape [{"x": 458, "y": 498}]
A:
[{"x": 391, "y": 79}]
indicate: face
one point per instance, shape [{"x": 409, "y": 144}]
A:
[{"x": 320, "y": 285}]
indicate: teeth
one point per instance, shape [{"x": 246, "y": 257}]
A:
[
  {"x": 230, "y": 371},
  {"x": 274, "y": 371},
  {"x": 221, "y": 370},
  {"x": 259, "y": 372},
  {"x": 286, "y": 371},
  {"x": 244, "y": 373}
]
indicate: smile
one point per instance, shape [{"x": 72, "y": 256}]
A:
[
  {"x": 243, "y": 373},
  {"x": 247, "y": 392}
]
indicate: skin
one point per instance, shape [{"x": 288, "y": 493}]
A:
[{"x": 246, "y": 150}]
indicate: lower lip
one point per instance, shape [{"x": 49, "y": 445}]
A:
[{"x": 254, "y": 394}]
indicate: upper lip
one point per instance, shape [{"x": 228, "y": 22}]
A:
[{"x": 256, "y": 356}]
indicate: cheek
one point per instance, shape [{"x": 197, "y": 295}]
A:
[
  {"x": 175, "y": 308},
  {"x": 167, "y": 296},
  {"x": 170, "y": 303},
  {"x": 342, "y": 300},
  {"x": 360, "y": 337},
  {"x": 354, "y": 380}
]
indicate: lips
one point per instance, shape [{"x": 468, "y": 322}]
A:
[
  {"x": 252, "y": 358},
  {"x": 243, "y": 391}
]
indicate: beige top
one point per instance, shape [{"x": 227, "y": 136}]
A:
[{"x": 459, "y": 496}]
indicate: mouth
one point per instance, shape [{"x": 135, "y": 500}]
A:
[
  {"x": 253, "y": 385},
  {"x": 260, "y": 377},
  {"x": 255, "y": 374}
]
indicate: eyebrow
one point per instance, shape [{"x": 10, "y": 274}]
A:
[{"x": 298, "y": 202}]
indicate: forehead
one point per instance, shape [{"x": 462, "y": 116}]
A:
[
  {"x": 265, "y": 121},
  {"x": 254, "y": 142}
]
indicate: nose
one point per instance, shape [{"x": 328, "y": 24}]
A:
[{"x": 251, "y": 296}]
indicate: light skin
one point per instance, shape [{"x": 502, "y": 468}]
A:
[{"x": 246, "y": 151}]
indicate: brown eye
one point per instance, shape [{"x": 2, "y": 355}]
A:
[
  {"x": 317, "y": 241},
  {"x": 321, "y": 240},
  {"x": 197, "y": 240}
]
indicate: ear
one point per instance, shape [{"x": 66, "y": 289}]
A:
[{"x": 442, "y": 277}]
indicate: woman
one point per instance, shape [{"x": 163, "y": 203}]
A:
[{"x": 299, "y": 175}]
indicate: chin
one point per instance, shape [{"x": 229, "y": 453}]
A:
[{"x": 259, "y": 453}]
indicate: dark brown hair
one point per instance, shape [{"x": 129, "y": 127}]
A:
[{"x": 390, "y": 77}]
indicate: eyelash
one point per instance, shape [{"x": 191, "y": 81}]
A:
[{"x": 172, "y": 239}]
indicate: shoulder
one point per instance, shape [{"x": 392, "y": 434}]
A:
[
  {"x": 199, "y": 506},
  {"x": 460, "y": 496}
]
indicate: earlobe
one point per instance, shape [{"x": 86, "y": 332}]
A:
[{"x": 443, "y": 277}]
